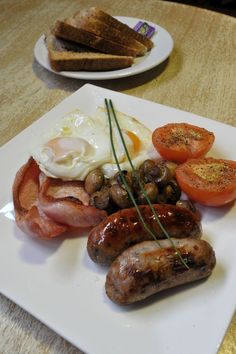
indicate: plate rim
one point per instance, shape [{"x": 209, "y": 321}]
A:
[{"x": 112, "y": 74}]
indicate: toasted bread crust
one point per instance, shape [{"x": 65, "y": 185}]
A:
[
  {"x": 91, "y": 24},
  {"x": 62, "y": 59},
  {"x": 89, "y": 64},
  {"x": 67, "y": 31},
  {"x": 94, "y": 41},
  {"x": 113, "y": 22}
]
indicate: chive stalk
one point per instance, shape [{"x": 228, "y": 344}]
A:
[
  {"x": 139, "y": 181},
  {"x": 124, "y": 179}
]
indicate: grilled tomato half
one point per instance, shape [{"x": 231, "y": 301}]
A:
[
  {"x": 179, "y": 142},
  {"x": 208, "y": 181}
]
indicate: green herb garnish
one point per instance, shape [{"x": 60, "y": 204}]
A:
[{"x": 140, "y": 183}]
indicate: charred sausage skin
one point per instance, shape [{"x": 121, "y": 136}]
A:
[
  {"x": 124, "y": 228},
  {"x": 146, "y": 269}
]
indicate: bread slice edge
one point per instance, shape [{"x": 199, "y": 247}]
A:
[{"x": 63, "y": 60}]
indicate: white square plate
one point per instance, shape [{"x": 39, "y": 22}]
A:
[{"x": 57, "y": 282}]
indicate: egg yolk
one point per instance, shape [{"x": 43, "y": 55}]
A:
[
  {"x": 62, "y": 146},
  {"x": 135, "y": 140}
]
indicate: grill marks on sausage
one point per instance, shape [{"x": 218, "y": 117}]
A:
[
  {"x": 124, "y": 228},
  {"x": 145, "y": 269}
]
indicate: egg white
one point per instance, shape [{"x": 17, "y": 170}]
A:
[{"x": 80, "y": 143}]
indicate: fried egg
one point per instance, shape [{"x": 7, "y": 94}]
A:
[{"x": 81, "y": 143}]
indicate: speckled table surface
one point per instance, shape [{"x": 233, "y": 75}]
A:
[{"x": 198, "y": 77}]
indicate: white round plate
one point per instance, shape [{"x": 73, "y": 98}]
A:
[{"x": 163, "y": 45}]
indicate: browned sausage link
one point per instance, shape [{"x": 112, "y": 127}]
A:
[
  {"x": 124, "y": 228},
  {"x": 146, "y": 269}
]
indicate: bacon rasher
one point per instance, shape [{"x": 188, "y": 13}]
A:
[
  {"x": 46, "y": 207},
  {"x": 68, "y": 202}
]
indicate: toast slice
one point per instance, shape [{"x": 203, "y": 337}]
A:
[
  {"x": 123, "y": 28},
  {"x": 68, "y": 30},
  {"x": 68, "y": 56},
  {"x": 100, "y": 28}
]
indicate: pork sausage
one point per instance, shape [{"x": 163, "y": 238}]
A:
[
  {"x": 124, "y": 228},
  {"x": 146, "y": 269}
]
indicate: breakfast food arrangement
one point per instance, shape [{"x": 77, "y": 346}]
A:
[
  {"x": 118, "y": 178},
  {"x": 109, "y": 173},
  {"x": 92, "y": 40}
]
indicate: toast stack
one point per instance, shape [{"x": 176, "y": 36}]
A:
[
  {"x": 93, "y": 40},
  {"x": 68, "y": 56}
]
